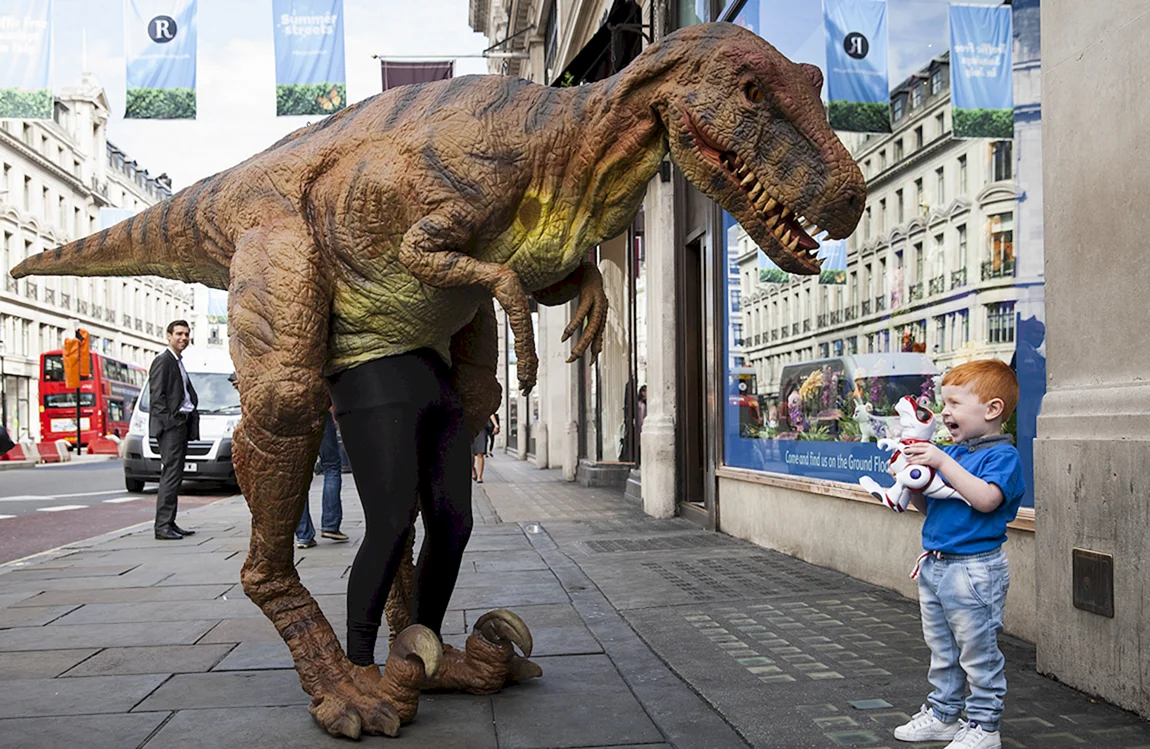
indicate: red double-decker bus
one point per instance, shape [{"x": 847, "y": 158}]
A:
[{"x": 106, "y": 398}]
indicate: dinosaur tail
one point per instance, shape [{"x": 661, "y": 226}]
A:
[{"x": 164, "y": 240}]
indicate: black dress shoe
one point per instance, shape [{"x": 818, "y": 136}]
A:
[
  {"x": 168, "y": 535},
  {"x": 181, "y": 531}
]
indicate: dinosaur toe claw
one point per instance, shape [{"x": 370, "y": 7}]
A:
[
  {"x": 417, "y": 641},
  {"x": 504, "y": 625}
]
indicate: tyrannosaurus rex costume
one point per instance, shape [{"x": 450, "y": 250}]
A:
[{"x": 389, "y": 227}]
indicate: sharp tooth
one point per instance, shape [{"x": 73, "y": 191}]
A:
[
  {"x": 770, "y": 204},
  {"x": 756, "y": 191},
  {"x": 786, "y": 212},
  {"x": 761, "y": 201},
  {"x": 793, "y": 243},
  {"x": 786, "y": 238},
  {"x": 771, "y": 221},
  {"x": 748, "y": 180},
  {"x": 813, "y": 252}
]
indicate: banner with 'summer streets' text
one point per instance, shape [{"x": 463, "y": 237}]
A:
[
  {"x": 160, "y": 45},
  {"x": 981, "y": 85},
  {"x": 25, "y": 59},
  {"x": 310, "y": 76},
  {"x": 858, "y": 96}
]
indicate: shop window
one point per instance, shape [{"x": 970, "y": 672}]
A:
[{"x": 800, "y": 418}]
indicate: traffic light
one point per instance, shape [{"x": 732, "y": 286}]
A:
[
  {"x": 85, "y": 354},
  {"x": 71, "y": 363},
  {"x": 77, "y": 359}
]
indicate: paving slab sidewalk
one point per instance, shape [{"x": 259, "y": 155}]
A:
[{"x": 651, "y": 633}]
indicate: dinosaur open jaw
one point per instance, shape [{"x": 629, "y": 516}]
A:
[{"x": 787, "y": 228}]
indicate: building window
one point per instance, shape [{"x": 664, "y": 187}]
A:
[
  {"x": 940, "y": 333},
  {"x": 1003, "y": 160},
  {"x": 918, "y": 262},
  {"x": 7, "y": 176},
  {"x": 1001, "y": 241},
  {"x": 1000, "y": 322},
  {"x": 940, "y": 186},
  {"x": 866, "y": 223},
  {"x": 918, "y": 196},
  {"x": 915, "y": 96},
  {"x": 898, "y": 150},
  {"x": 918, "y": 138},
  {"x": 962, "y": 175},
  {"x": 899, "y": 108},
  {"x": 962, "y": 247},
  {"x": 899, "y": 205},
  {"x": 935, "y": 81},
  {"x": 882, "y": 215},
  {"x": 882, "y": 160},
  {"x": 940, "y": 124},
  {"x": 27, "y": 193},
  {"x": 866, "y": 168}
]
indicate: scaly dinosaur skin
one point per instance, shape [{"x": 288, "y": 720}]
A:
[{"x": 388, "y": 226}]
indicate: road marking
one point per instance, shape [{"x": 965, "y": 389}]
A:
[
  {"x": 118, "y": 500},
  {"x": 60, "y": 508},
  {"x": 43, "y": 497},
  {"x": 5, "y": 517}
]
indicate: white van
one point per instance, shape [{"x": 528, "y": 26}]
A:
[{"x": 210, "y": 457}]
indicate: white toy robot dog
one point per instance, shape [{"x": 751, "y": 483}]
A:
[{"x": 917, "y": 423}]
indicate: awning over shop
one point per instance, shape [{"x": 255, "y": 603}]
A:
[{"x": 617, "y": 42}]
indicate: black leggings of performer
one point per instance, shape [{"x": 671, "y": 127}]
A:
[{"x": 403, "y": 429}]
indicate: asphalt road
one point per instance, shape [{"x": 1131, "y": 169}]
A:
[{"x": 49, "y": 506}]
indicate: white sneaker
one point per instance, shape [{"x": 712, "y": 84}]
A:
[
  {"x": 925, "y": 727},
  {"x": 972, "y": 736}
]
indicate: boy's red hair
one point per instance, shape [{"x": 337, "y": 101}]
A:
[{"x": 988, "y": 379}]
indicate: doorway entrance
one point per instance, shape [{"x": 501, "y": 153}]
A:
[{"x": 691, "y": 448}]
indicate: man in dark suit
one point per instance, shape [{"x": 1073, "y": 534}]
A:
[{"x": 173, "y": 421}]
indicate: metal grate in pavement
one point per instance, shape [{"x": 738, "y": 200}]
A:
[
  {"x": 716, "y": 578},
  {"x": 659, "y": 543}
]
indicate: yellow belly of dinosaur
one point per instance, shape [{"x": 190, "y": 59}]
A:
[{"x": 371, "y": 320}]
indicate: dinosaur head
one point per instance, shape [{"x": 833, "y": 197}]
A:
[{"x": 747, "y": 128}]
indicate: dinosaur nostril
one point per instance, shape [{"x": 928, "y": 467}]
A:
[{"x": 856, "y": 203}]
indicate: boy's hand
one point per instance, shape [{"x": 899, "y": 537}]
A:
[{"x": 925, "y": 454}]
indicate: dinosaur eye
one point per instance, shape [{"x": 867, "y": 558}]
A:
[{"x": 753, "y": 93}]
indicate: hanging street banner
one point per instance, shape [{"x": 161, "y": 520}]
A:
[
  {"x": 217, "y": 306},
  {"x": 160, "y": 44},
  {"x": 25, "y": 58},
  {"x": 833, "y": 253},
  {"x": 981, "y": 85},
  {"x": 310, "y": 75},
  {"x": 858, "y": 94}
]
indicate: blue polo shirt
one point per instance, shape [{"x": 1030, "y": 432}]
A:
[{"x": 951, "y": 525}]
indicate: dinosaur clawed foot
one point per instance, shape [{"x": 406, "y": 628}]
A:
[
  {"x": 489, "y": 661},
  {"x": 360, "y": 700}
]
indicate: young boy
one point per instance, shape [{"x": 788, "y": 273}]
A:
[{"x": 963, "y": 574}]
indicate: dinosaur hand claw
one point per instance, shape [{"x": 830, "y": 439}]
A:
[
  {"x": 502, "y": 625},
  {"x": 592, "y": 309}
]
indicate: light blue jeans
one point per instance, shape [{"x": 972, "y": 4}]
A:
[
  {"x": 962, "y": 600},
  {"x": 329, "y": 459}
]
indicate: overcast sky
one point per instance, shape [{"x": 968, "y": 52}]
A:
[{"x": 236, "y": 72}]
